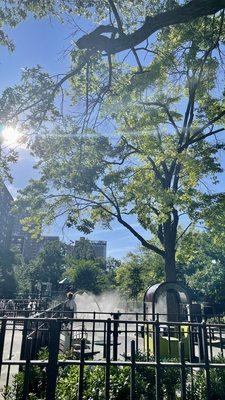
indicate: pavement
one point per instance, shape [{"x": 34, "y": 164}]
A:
[{"x": 12, "y": 347}]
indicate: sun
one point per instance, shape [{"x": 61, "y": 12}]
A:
[{"x": 11, "y": 136}]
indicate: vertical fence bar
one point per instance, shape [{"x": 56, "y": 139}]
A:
[
  {"x": 147, "y": 339},
  {"x": 81, "y": 371},
  {"x": 27, "y": 370},
  {"x": 82, "y": 329},
  {"x": 200, "y": 344},
  {"x": 107, "y": 368},
  {"x": 182, "y": 371},
  {"x": 206, "y": 361},
  {"x": 169, "y": 341},
  {"x": 125, "y": 344},
  {"x": 221, "y": 340},
  {"x": 10, "y": 351},
  {"x": 132, "y": 372},
  {"x": 136, "y": 332},
  {"x": 104, "y": 340},
  {"x": 2, "y": 340},
  {"x": 52, "y": 368},
  {"x": 71, "y": 334},
  {"x": 93, "y": 336},
  {"x": 210, "y": 344},
  {"x": 24, "y": 339},
  {"x": 157, "y": 360},
  {"x": 191, "y": 345},
  {"x": 115, "y": 335}
]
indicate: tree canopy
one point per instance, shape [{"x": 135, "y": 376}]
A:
[
  {"x": 139, "y": 131},
  {"x": 157, "y": 152},
  {"x": 48, "y": 266},
  {"x": 8, "y": 261}
]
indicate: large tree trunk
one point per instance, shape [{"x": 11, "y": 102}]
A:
[
  {"x": 172, "y": 302},
  {"x": 170, "y": 264},
  {"x": 170, "y": 251}
]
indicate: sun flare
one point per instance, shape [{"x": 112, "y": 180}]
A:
[{"x": 11, "y": 136}]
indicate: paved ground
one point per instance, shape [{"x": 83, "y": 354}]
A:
[{"x": 11, "y": 351}]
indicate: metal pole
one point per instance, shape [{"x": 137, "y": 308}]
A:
[
  {"x": 132, "y": 374},
  {"x": 81, "y": 372},
  {"x": 2, "y": 340},
  {"x": 107, "y": 369},
  {"x": 52, "y": 368}
]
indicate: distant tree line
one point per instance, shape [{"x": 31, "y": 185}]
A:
[{"x": 200, "y": 258}]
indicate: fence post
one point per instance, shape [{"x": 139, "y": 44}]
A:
[
  {"x": 2, "y": 340},
  {"x": 27, "y": 370},
  {"x": 81, "y": 372},
  {"x": 182, "y": 371},
  {"x": 24, "y": 342},
  {"x": 52, "y": 368},
  {"x": 93, "y": 335},
  {"x": 132, "y": 374},
  {"x": 206, "y": 361},
  {"x": 116, "y": 317},
  {"x": 157, "y": 359},
  {"x": 107, "y": 368},
  {"x": 200, "y": 343}
]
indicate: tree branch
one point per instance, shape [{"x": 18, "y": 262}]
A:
[
  {"x": 144, "y": 242},
  {"x": 167, "y": 111},
  {"x": 182, "y": 14},
  {"x": 202, "y": 137},
  {"x": 194, "y": 137}
]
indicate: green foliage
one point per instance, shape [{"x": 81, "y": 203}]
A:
[
  {"x": 201, "y": 261},
  {"x": 9, "y": 260},
  {"x": 49, "y": 265},
  {"x": 139, "y": 271},
  {"x": 87, "y": 275},
  {"x": 164, "y": 104},
  {"x": 217, "y": 382},
  {"x": 120, "y": 383},
  {"x": 83, "y": 250},
  {"x": 155, "y": 168},
  {"x": 94, "y": 382}
]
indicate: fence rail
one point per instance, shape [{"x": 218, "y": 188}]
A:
[{"x": 109, "y": 342}]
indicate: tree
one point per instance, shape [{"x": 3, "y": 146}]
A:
[
  {"x": 49, "y": 265},
  {"x": 8, "y": 261},
  {"x": 138, "y": 272},
  {"x": 83, "y": 250},
  {"x": 122, "y": 31},
  {"x": 202, "y": 264},
  {"x": 161, "y": 156},
  {"x": 87, "y": 275}
]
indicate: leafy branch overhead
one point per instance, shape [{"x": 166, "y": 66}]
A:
[
  {"x": 129, "y": 33},
  {"x": 133, "y": 137}
]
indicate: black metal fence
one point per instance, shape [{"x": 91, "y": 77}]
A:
[{"x": 109, "y": 342}]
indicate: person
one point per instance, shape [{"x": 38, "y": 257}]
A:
[
  {"x": 34, "y": 306},
  {"x": 29, "y": 306},
  {"x": 2, "y": 307},
  {"x": 70, "y": 306},
  {"x": 10, "y": 307}
]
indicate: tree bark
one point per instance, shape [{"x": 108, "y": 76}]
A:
[
  {"x": 170, "y": 231},
  {"x": 183, "y": 14},
  {"x": 172, "y": 303},
  {"x": 170, "y": 265}
]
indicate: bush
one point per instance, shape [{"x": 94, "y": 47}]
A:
[
  {"x": 197, "y": 391},
  {"x": 94, "y": 382}
]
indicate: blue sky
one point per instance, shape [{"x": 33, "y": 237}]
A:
[{"x": 43, "y": 42}]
